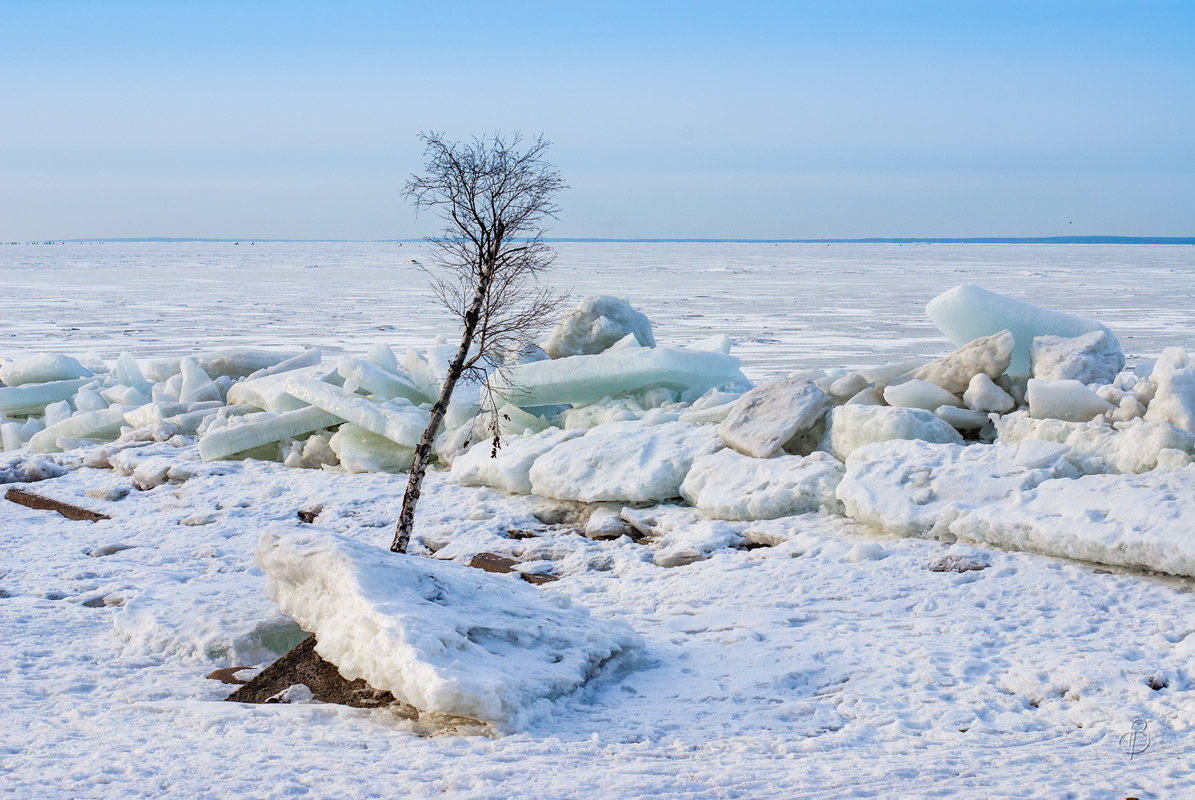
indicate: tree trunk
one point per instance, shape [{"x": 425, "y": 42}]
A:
[{"x": 406, "y": 520}]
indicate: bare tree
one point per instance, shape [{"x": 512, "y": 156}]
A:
[{"x": 494, "y": 195}]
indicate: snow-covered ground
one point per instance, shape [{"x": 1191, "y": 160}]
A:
[{"x": 839, "y": 662}]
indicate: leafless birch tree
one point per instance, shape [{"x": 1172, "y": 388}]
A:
[{"x": 494, "y": 196}]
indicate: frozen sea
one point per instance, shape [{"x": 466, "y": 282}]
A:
[
  {"x": 788, "y": 306},
  {"x": 837, "y": 663}
]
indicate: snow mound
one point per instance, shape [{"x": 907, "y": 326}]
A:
[
  {"x": 1127, "y": 447},
  {"x": 1126, "y": 520},
  {"x": 596, "y": 324},
  {"x": 729, "y": 485},
  {"x": 623, "y": 461},
  {"x": 442, "y": 637}
]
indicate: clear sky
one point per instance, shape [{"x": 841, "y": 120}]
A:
[{"x": 725, "y": 119}]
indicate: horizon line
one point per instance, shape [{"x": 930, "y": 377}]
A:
[{"x": 1100, "y": 239}]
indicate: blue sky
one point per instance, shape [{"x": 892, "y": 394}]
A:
[{"x": 738, "y": 120}]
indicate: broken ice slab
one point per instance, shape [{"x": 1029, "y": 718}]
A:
[
  {"x": 968, "y": 312},
  {"x": 308, "y": 358},
  {"x": 20, "y": 401},
  {"x": 238, "y": 437},
  {"x": 989, "y": 355},
  {"x": 853, "y": 426},
  {"x": 765, "y": 419},
  {"x": 400, "y": 424},
  {"x": 1066, "y": 400},
  {"x": 129, "y": 374},
  {"x": 589, "y": 378},
  {"x": 440, "y": 636},
  {"x": 150, "y": 413},
  {"x": 509, "y": 468},
  {"x": 235, "y": 362},
  {"x": 268, "y": 392},
  {"x": 47, "y": 368},
  {"x": 384, "y": 383},
  {"x": 358, "y": 450},
  {"x": 103, "y": 424},
  {"x": 197, "y": 386}
]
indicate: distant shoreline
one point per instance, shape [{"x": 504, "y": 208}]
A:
[{"x": 1179, "y": 240}]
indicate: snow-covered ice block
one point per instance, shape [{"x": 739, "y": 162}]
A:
[
  {"x": 852, "y": 426},
  {"x": 239, "y": 435},
  {"x": 594, "y": 325},
  {"x": 47, "y": 368},
  {"x": 19, "y": 401},
  {"x": 1126, "y": 520},
  {"x": 1035, "y": 453},
  {"x": 588, "y": 379},
  {"x": 401, "y": 424},
  {"x": 968, "y": 312},
  {"x": 358, "y": 450},
  {"x": 730, "y": 485},
  {"x": 229, "y": 627},
  {"x": 915, "y": 393},
  {"x": 440, "y": 636},
  {"x": 984, "y": 395},
  {"x": 103, "y": 424},
  {"x": 197, "y": 386},
  {"x": 510, "y": 469},
  {"x": 624, "y": 461},
  {"x": 1174, "y": 399},
  {"x": 1066, "y": 400},
  {"x": 987, "y": 355},
  {"x": 768, "y": 417},
  {"x": 379, "y": 381},
  {"x": 680, "y": 535},
  {"x": 911, "y": 488},
  {"x": 268, "y": 392},
  {"x": 1096, "y": 447},
  {"x": 1090, "y": 358}
]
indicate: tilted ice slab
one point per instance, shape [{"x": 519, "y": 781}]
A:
[
  {"x": 18, "y": 401},
  {"x": 1127, "y": 520},
  {"x": 988, "y": 355},
  {"x": 268, "y": 392},
  {"x": 765, "y": 419},
  {"x": 238, "y": 436},
  {"x": 379, "y": 381},
  {"x": 358, "y": 450},
  {"x": 623, "y": 461},
  {"x": 1065, "y": 399},
  {"x": 45, "y": 368},
  {"x": 509, "y": 469},
  {"x": 442, "y": 637},
  {"x": 729, "y": 485},
  {"x": 401, "y": 424},
  {"x": 1096, "y": 447},
  {"x": 911, "y": 488},
  {"x": 103, "y": 424},
  {"x": 968, "y": 312},
  {"x": 588, "y": 379}
]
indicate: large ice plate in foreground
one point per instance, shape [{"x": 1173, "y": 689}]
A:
[
  {"x": 588, "y": 379},
  {"x": 442, "y": 637},
  {"x": 623, "y": 461},
  {"x": 968, "y": 312}
]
